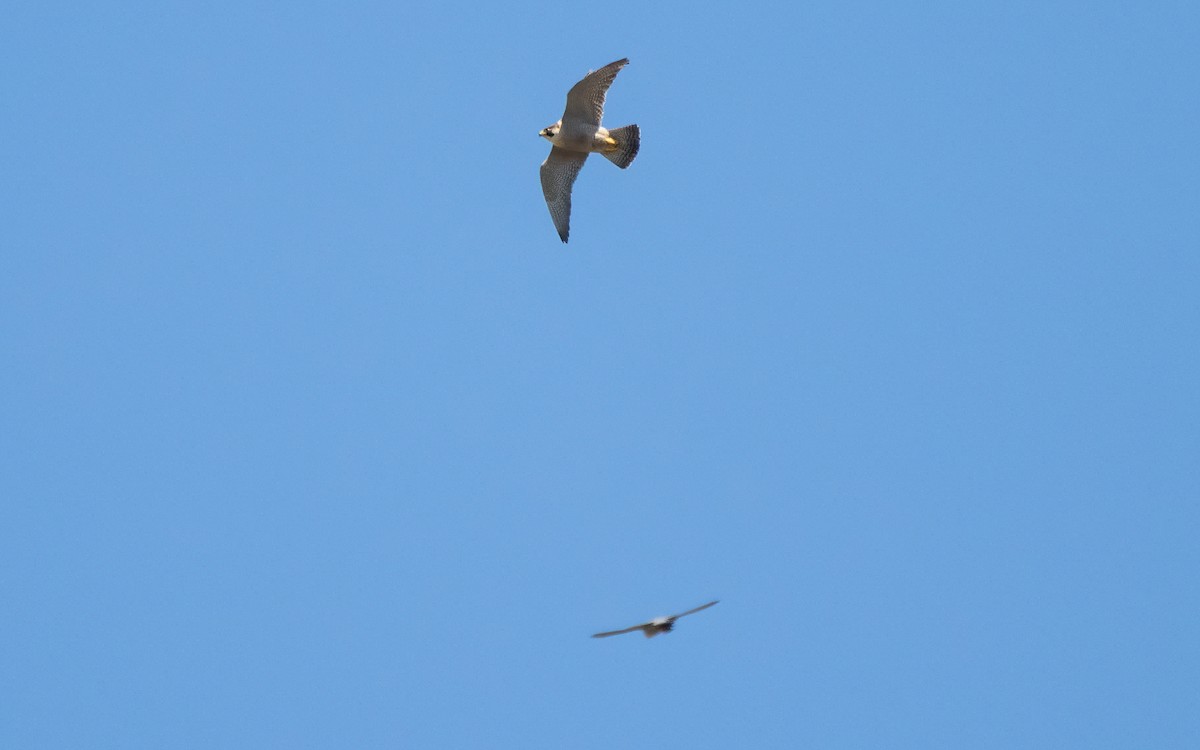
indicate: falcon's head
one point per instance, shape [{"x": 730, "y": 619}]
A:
[{"x": 550, "y": 132}]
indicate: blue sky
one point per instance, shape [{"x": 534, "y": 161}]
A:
[{"x": 315, "y": 435}]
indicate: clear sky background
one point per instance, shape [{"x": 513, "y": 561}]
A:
[{"x": 314, "y": 435}]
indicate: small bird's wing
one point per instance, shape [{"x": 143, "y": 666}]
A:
[
  {"x": 558, "y": 175},
  {"x": 619, "y": 632},
  {"x": 585, "y": 100},
  {"x": 693, "y": 611}
]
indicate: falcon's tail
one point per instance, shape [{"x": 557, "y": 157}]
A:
[{"x": 625, "y": 146}]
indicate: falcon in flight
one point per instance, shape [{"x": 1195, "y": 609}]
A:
[
  {"x": 578, "y": 134},
  {"x": 655, "y": 626}
]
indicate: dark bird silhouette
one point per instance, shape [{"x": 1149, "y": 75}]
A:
[{"x": 657, "y": 625}]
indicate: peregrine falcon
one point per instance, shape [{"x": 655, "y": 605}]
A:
[
  {"x": 579, "y": 133},
  {"x": 655, "y": 626}
]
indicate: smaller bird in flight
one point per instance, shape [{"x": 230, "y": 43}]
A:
[
  {"x": 578, "y": 134},
  {"x": 657, "y": 625}
]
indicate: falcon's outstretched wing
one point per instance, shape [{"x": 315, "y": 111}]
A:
[
  {"x": 693, "y": 611},
  {"x": 558, "y": 175},
  {"x": 619, "y": 632},
  {"x": 585, "y": 100}
]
